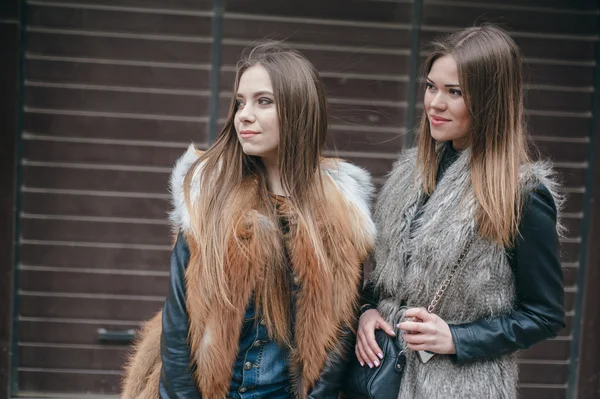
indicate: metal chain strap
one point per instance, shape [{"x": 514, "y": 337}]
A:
[{"x": 440, "y": 292}]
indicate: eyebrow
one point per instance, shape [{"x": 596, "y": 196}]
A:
[
  {"x": 258, "y": 93},
  {"x": 452, "y": 85}
]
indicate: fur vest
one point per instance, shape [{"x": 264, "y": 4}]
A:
[
  {"x": 412, "y": 262},
  {"x": 325, "y": 301}
]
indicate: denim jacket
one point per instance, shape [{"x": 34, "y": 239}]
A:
[{"x": 261, "y": 366}]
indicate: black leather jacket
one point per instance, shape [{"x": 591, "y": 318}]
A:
[
  {"x": 176, "y": 379},
  {"x": 539, "y": 310}
]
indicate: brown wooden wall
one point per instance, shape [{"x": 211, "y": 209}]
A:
[{"x": 116, "y": 89}]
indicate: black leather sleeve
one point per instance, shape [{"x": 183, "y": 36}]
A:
[
  {"x": 176, "y": 378},
  {"x": 539, "y": 311},
  {"x": 329, "y": 384}
]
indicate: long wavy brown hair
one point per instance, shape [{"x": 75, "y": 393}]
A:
[
  {"x": 491, "y": 78},
  {"x": 225, "y": 170}
]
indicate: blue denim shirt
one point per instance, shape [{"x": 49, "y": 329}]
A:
[{"x": 261, "y": 366}]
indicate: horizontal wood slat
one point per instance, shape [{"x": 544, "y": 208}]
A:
[
  {"x": 560, "y": 5},
  {"x": 72, "y": 358},
  {"x": 247, "y": 26},
  {"x": 118, "y": 20},
  {"x": 92, "y": 257},
  {"x": 116, "y": 283},
  {"x": 80, "y": 99},
  {"x": 110, "y": 73},
  {"x": 532, "y": 20},
  {"x": 124, "y": 231},
  {"x": 95, "y": 205},
  {"x": 75, "y": 332},
  {"x": 119, "y": 48},
  {"x": 122, "y": 127},
  {"x": 540, "y": 46},
  {"x": 174, "y": 6},
  {"x": 65, "y": 177},
  {"x": 340, "y": 60},
  {"x": 73, "y": 307},
  {"x": 360, "y": 10},
  {"x": 69, "y": 382}
]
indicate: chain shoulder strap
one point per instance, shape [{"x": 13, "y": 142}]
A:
[{"x": 440, "y": 292}]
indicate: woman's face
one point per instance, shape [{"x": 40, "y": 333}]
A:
[
  {"x": 256, "y": 120},
  {"x": 446, "y": 109}
]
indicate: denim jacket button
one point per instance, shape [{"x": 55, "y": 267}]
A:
[
  {"x": 263, "y": 322},
  {"x": 243, "y": 389},
  {"x": 257, "y": 343},
  {"x": 247, "y": 366}
]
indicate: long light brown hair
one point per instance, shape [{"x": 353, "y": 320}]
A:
[
  {"x": 226, "y": 170},
  {"x": 490, "y": 76}
]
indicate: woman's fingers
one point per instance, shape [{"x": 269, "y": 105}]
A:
[
  {"x": 416, "y": 338},
  {"x": 367, "y": 350},
  {"x": 359, "y": 354},
  {"x": 414, "y": 327},
  {"x": 419, "y": 313},
  {"x": 385, "y": 327},
  {"x": 419, "y": 347},
  {"x": 371, "y": 355},
  {"x": 373, "y": 346}
]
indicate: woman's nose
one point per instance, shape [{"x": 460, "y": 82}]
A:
[
  {"x": 437, "y": 101},
  {"x": 246, "y": 113}
]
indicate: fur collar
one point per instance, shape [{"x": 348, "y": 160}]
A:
[{"x": 353, "y": 182}]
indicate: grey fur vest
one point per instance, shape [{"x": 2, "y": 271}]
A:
[{"x": 411, "y": 266}]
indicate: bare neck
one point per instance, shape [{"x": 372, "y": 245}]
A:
[{"x": 274, "y": 178}]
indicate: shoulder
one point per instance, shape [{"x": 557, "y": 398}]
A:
[
  {"x": 401, "y": 175},
  {"x": 179, "y": 215},
  {"x": 404, "y": 166},
  {"x": 539, "y": 181},
  {"x": 354, "y": 183},
  {"x": 543, "y": 198},
  {"x": 407, "y": 159}
]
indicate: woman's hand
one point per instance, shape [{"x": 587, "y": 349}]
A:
[
  {"x": 367, "y": 351},
  {"x": 427, "y": 331}
]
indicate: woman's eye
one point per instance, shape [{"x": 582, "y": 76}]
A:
[
  {"x": 264, "y": 101},
  {"x": 455, "y": 92},
  {"x": 429, "y": 86},
  {"x": 239, "y": 103}
]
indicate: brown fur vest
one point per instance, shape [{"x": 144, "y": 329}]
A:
[{"x": 326, "y": 299}]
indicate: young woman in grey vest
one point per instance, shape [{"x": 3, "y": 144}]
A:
[{"x": 468, "y": 190}]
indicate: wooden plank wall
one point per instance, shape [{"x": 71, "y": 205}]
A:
[
  {"x": 114, "y": 93},
  {"x": 115, "y": 90}
]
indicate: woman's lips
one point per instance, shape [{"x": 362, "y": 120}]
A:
[
  {"x": 245, "y": 134},
  {"x": 437, "y": 120}
]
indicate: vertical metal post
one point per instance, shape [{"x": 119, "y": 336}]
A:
[
  {"x": 413, "y": 78},
  {"x": 14, "y": 355},
  {"x": 215, "y": 72}
]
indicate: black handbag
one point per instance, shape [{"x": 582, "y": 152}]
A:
[{"x": 381, "y": 382}]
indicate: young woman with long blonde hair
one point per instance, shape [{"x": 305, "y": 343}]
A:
[
  {"x": 266, "y": 270},
  {"x": 467, "y": 254}
]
